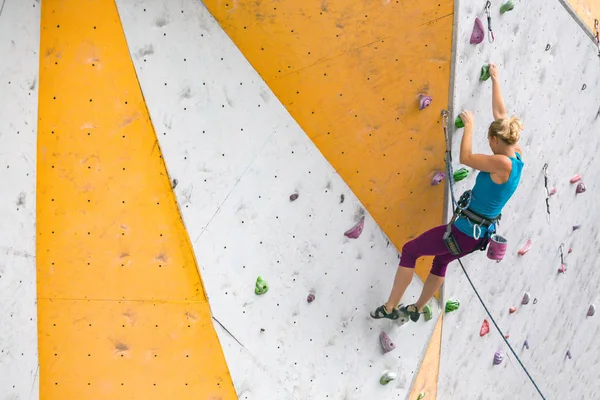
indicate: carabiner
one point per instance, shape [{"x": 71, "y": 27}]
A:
[{"x": 488, "y": 6}]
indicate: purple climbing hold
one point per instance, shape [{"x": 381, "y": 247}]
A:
[
  {"x": 424, "y": 101},
  {"x": 576, "y": 227},
  {"x": 478, "y": 32},
  {"x": 438, "y": 177},
  {"x": 386, "y": 342},
  {"x": 498, "y": 357},
  {"x": 580, "y": 188},
  {"x": 526, "y": 298},
  {"x": 526, "y": 344},
  {"x": 569, "y": 354},
  {"x": 591, "y": 310},
  {"x": 293, "y": 196},
  {"x": 356, "y": 230},
  {"x": 310, "y": 298}
]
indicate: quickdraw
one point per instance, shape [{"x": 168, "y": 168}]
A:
[
  {"x": 545, "y": 169},
  {"x": 597, "y": 26},
  {"x": 488, "y": 7}
]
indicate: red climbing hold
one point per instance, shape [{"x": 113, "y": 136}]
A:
[
  {"x": 478, "y": 32},
  {"x": 580, "y": 188},
  {"x": 507, "y": 336},
  {"x": 424, "y": 101},
  {"x": 485, "y": 328},
  {"x": 438, "y": 177},
  {"x": 356, "y": 230},
  {"x": 526, "y": 247},
  {"x": 512, "y": 310},
  {"x": 575, "y": 178},
  {"x": 386, "y": 342}
]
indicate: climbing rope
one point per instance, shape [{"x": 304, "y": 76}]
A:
[{"x": 451, "y": 186}]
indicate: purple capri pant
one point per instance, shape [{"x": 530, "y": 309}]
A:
[{"x": 431, "y": 243}]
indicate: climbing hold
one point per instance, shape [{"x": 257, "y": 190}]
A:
[
  {"x": 175, "y": 182},
  {"x": 387, "y": 377},
  {"x": 526, "y": 344},
  {"x": 562, "y": 269},
  {"x": 498, "y": 357},
  {"x": 460, "y": 174},
  {"x": 310, "y": 298},
  {"x": 569, "y": 354},
  {"x": 356, "y": 230},
  {"x": 497, "y": 248},
  {"x": 293, "y": 197},
  {"x": 342, "y": 198},
  {"x": 512, "y": 310},
  {"x": 478, "y": 32},
  {"x": 424, "y": 101},
  {"x": 261, "y": 286},
  {"x": 526, "y": 247},
  {"x": 452, "y": 305},
  {"x": 485, "y": 328},
  {"x": 552, "y": 191},
  {"x": 591, "y": 310},
  {"x": 508, "y": 6},
  {"x": 584, "y": 87},
  {"x": 580, "y": 188},
  {"x": 507, "y": 336},
  {"x": 458, "y": 122},
  {"x": 386, "y": 342},
  {"x": 570, "y": 250},
  {"x": 438, "y": 177},
  {"x": 526, "y": 298},
  {"x": 428, "y": 312},
  {"x": 262, "y": 329},
  {"x": 548, "y": 47},
  {"x": 535, "y": 301},
  {"x": 485, "y": 73},
  {"x": 421, "y": 395},
  {"x": 576, "y": 227},
  {"x": 575, "y": 178}
]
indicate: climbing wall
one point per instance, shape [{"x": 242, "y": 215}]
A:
[
  {"x": 235, "y": 156},
  {"x": 588, "y": 11},
  {"x": 551, "y": 79},
  {"x": 19, "y": 44},
  {"x": 122, "y": 309}
]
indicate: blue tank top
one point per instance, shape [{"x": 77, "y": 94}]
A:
[{"x": 489, "y": 198}]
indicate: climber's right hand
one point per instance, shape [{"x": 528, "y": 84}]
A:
[
  {"x": 493, "y": 71},
  {"x": 467, "y": 118}
]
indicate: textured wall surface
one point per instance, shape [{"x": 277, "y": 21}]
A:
[
  {"x": 19, "y": 44},
  {"x": 237, "y": 156},
  {"x": 550, "y": 74}
]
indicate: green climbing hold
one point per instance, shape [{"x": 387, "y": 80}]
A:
[
  {"x": 452, "y": 305},
  {"x": 459, "y": 122},
  {"x": 428, "y": 312},
  {"x": 422, "y": 395},
  {"x": 509, "y": 5},
  {"x": 460, "y": 174},
  {"x": 261, "y": 286},
  {"x": 387, "y": 377},
  {"x": 485, "y": 72}
]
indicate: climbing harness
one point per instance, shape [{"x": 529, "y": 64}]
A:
[
  {"x": 545, "y": 169},
  {"x": 451, "y": 187},
  {"x": 488, "y": 7}
]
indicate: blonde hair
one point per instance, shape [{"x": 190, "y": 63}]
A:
[{"x": 507, "y": 129}]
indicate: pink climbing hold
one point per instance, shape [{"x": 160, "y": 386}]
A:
[
  {"x": 575, "y": 178},
  {"x": 485, "y": 328},
  {"x": 580, "y": 188},
  {"x": 478, "y": 32},
  {"x": 562, "y": 269},
  {"x": 437, "y": 178},
  {"x": 512, "y": 310},
  {"x": 424, "y": 101},
  {"x": 570, "y": 250},
  {"x": 552, "y": 191},
  {"x": 310, "y": 298},
  {"x": 386, "y": 342},
  {"x": 356, "y": 230},
  {"x": 526, "y": 247},
  {"x": 498, "y": 357},
  {"x": 591, "y": 310},
  {"x": 526, "y": 298}
]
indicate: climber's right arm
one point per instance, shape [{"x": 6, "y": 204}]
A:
[{"x": 498, "y": 107}]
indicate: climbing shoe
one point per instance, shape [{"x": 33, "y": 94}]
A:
[
  {"x": 412, "y": 312},
  {"x": 381, "y": 312}
]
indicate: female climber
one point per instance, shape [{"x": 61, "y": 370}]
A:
[{"x": 496, "y": 182}]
